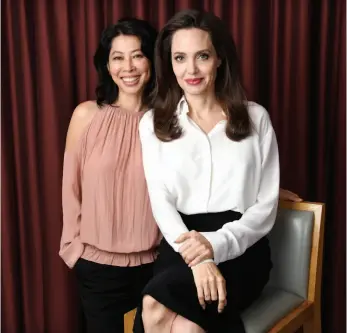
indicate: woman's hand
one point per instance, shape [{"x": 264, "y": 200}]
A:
[
  {"x": 210, "y": 285},
  {"x": 196, "y": 248},
  {"x": 289, "y": 196}
]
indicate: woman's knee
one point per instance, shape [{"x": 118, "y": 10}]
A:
[
  {"x": 150, "y": 304},
  {"x": 153, "y": 312}
]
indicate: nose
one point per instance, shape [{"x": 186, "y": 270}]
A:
[
  {"x": 128, "y": 65},
  {"x": 191, "y": 66}
]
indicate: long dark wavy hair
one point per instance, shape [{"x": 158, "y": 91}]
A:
[
  {"x": 106, "y": 90},
  {"x": 228, "y": 88}
]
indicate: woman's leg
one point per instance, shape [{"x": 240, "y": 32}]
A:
[
  {"x": 156, "y": 317},
  {"x": 95, "y": 284},
  {"x": 181, "y": 324},
  {"x": 107, "y": 293},
  {"x": 159, "y": 319}
]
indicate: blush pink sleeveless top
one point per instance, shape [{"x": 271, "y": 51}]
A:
[{"x": 107, "y": 217}]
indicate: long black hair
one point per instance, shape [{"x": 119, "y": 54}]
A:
[{"x": 106, "y": 90}]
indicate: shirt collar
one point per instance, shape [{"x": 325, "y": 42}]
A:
[{"x": 182, "y": 107}]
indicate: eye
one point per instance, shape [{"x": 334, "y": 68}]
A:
[
  {"x": 117, "y": 58},
  {"x": 179, "y": 58},
  {"x": 138, "y": 56},
  {"x": 204, "y": 56}
]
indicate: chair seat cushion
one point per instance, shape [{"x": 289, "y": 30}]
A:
[{"x": 268, "y": 309}]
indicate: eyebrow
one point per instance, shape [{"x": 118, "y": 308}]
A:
[
  {"x": 201, "y": 51},
  {"x": 115, "y": 51}
]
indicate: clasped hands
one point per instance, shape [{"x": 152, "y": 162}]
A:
[{"x": 209, "y": 281}]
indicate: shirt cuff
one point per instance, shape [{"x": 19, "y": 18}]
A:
[
  {"x": 219, "y": 245},
  {"x": 71, "y": 252}
]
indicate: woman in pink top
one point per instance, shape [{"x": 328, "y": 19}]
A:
[{"x": 109, "y": 234}]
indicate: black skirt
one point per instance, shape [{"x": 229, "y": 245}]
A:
[{"x": 173, "y": 283}]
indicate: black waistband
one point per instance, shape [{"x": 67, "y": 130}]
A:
[{"x": 209, "y": 221}]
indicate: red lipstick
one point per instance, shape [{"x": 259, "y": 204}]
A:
[{"x": 193, "y": 82}]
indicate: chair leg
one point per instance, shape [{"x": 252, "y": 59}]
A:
[
  {"x": 129, "y": 321},
  {"x": 317, "y": 324},
  {"x": 308, "y": 327}
]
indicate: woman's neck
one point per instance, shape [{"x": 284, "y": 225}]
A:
[
  {"x": 201, "y": 106},
  {"x": 130, "y": 103}
]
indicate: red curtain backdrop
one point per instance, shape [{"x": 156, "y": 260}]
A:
[{"x": 293, "y": 62}]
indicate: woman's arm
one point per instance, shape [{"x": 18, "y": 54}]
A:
[
  {"x": 289, "y": 196},
  {"x": 234, "y": 238},
  {"x": 71, "y": 247}
]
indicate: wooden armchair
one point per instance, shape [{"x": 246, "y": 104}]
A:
[{"x": 291, "y": 300}]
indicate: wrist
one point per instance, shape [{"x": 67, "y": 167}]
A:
[{"x": 202, "y": 262}]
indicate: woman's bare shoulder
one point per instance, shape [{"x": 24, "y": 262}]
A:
[{"x": 81, "y": 118}]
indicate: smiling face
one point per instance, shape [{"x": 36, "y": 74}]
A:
[
  {"x": 194, "y": 61},
  {"x": 127, "y": 65}
]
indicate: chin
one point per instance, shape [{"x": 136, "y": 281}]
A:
[
  {"x": 132, "y": 90},
  {"x": 195, "y": 91}
]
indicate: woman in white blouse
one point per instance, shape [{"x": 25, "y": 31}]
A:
[{"x": 212, "y": 169}]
